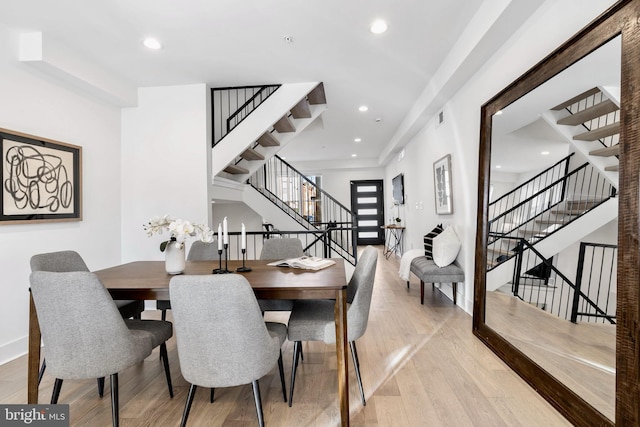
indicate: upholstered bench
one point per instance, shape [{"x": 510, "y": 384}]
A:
[{"x": 427, "y": 271}]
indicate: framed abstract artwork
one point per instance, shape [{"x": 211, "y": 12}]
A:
[
  {"x": 41, "y": 179},
  {"x": 442, "y": 185}
]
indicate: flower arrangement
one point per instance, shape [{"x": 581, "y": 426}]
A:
[{"x": 179, "y": 230}]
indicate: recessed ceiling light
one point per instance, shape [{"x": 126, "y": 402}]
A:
[
  {"x": 152, "y": 43},
  {"x": 354, "y": 155},
  {"x": 544, "y": 153},
  {"x": 378, "y": 26},
  {"x": 498, "y": 166},
  {"x": 283, "y": 158},
  {"x": 363, "y": 108},
  {"x": 357, "y": 140},
  {"x": 499, "y": 112}
]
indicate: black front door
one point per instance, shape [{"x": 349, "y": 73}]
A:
[{"x": 367, "y": 203}]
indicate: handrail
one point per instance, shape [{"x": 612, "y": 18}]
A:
[
  {"x": 538, "y": 215},
  {"x": 228, "y": 103},
  {"x": 305, "y": 202},
  {"x": 519, "y": 187},
  {"x": 543, "y": 300}
]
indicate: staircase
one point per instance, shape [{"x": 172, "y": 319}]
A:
[
  {"x": 250, "y": 125},
  {"x": 541, "y": 210},
  {"x": 266, "y": 128}
]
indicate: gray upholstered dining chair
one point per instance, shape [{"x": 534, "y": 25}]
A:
[
  {"x": 199, "y": 251},
  {"x": 65, "y": 261},
  {"x": 277, "y": 249},
  {"x": 221, "y": 336},
  {"x": 313, "y": 320},
  {"x": 95, "y": 341}
]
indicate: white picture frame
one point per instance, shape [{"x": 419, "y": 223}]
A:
[{"x": 442, "y": 185}]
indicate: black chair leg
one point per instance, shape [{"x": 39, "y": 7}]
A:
[
  {"x": 115, "y": 404},
  {"x": 281, "y": 369},
  {"x": 164, "y": 315},
  {"x": 356, "y": 365},
  {"x": 165, "y": 360},
  {"x": 56, "y": 391},
  {"x": 213, "y": 391},
  {"x": 42, "y": 368},
  {"x": 256, "y": 396},
  {"x": 187, "y": 406},
  {"x": 101, "y": 386},
  {"x": 294, "y": 367}
]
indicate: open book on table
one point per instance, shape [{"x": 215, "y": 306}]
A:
[{"x": 305, "y": 262}]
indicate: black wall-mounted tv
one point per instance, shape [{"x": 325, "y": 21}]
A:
[{"x": 398, "y": 189}]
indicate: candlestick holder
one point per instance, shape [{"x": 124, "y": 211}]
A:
[
  {"x": 221, "y": 270},
  {"x": 243, "y": 269}
]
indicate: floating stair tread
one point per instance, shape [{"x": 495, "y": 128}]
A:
[
  {"x": 251, "y": 154},
  {"x": 268, "y": 140},
  {"x": 575, "y": 205},
  {"x": 236, "y": 170},
  {"x": 576, "y": 98},
  {"x": 600, "y": 109},
  {"x": 301, "y": 110},
  {"x": 500, "y": 251},
  {"x": 284, "y": 125},
  {"x": 316, "y": 96},
  {"x": 599, "y": 133},
  {"x": 614, "y": 150},
  {"x": 612, "y": 168}
]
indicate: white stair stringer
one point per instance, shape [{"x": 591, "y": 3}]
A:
[
  {"x": 584, "y": 148},
  {"x": 558, "y": 241},
  {"x": 257, "y": 123}
]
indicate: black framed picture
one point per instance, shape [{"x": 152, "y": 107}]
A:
[
  {"x": 442, "y": 185},
  {"x": 41, "y": 179}
]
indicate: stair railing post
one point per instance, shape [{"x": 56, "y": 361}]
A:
[
  {"x": 578, "y": 284},
  {"x": 518, "y": 269}
]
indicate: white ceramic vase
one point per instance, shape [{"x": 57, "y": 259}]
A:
[{"x": 174, "y": 257}]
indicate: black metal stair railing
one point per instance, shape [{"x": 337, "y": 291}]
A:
[
  {"x": 537, "y": 281},
  {"x": 231, "y": 105},
  {"x": 546, "y": 211},
  {"x": 312, "y": 207},
  {"x": 532, "y": 185}
]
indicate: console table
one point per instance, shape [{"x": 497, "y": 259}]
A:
[{"x": 393, "y": 239}]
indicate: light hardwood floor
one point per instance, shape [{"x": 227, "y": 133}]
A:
[{"x": 420, "y": 364}]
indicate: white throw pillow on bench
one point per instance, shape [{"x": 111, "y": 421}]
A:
[{"x": 446, "y": 247}]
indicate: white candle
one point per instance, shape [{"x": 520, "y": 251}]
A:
[
  {"x": 243, "y": 237},
  {"x": 219, "y": 237},
  {"x": 225, "y": 231}
]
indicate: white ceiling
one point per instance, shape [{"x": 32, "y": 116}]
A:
[{"x": 235, "y": 43}]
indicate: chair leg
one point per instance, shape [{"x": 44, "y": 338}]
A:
[
  {"x": 294, "y": 367},
  {"x": 256, "y": 396},
  {"x": 421, "y": 292},
  {"x": 165, "y": 360},
  {"x": 281, "y": 369},
  {"x": 408, "y": 284},
  {"x": 42, "y": 368},
  {"x": 187, "y": 406},
  {"x": 56, "y": 391},
  {"x": 356, "y": 366},
  {"x": 101, "y": 386},
  {"x": 115, "y": 404},
  {"x": 455, "y": 292},
  {"x": 213, "y": 391},
  {"x": 163, "y": 316}
]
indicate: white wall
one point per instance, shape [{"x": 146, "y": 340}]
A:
[
  {"x": 164, "y": 164},
  {"x": 36, "y": 104},
  {"x": 553, "y": 23}
]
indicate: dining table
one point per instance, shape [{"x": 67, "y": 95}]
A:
[{"x": 148, "y": 280}]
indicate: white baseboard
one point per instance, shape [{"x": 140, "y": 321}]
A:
[{"x": 13, "y": 350}]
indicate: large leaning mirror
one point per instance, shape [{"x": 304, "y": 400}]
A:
[{"x": 556, "y": 286}]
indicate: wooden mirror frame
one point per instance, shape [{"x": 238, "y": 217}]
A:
[{"x": 621, "y": 19}]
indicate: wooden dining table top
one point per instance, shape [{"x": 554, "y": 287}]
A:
[{"x": 149, "y": 280}]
